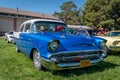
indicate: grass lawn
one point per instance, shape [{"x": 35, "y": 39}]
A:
[{"x": 16, "y": 66}]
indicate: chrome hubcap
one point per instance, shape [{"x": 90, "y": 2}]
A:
[
  {"x": 37, "y": 60},
  {"x": 16, "y": 49}
]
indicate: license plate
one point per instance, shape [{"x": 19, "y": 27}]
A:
[{"x": 85, "y": 63}]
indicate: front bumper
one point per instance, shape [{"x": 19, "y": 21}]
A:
[
  {"x": 10, "y": 39},
  {"x": 70, "y": 60},
  {"x": 115, "y": 48}
]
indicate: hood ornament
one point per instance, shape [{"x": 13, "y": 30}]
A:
[{"x": 63, "y": 36}]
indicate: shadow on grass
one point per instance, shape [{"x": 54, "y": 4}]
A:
[
  {"x": 88, "y": 70},
  {"x": 115, "y": 53}
]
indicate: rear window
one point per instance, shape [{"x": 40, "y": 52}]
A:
[{"x": 11, "y": 33}]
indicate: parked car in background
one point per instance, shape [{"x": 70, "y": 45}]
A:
[
  {"x": 9, "y": 37},
  {"x": 113, "y": 40},
  {"x": 49, "y": 44}
]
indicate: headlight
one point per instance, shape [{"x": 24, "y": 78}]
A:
[
  {"x": 102, "y": 44},
  {"x": 116, "y": 43},
  {"x": 53, "y": 45}
]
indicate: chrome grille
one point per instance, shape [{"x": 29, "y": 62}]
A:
[
  {"x": 82, "y": 44},
  {"x": 75, "y": 56}
]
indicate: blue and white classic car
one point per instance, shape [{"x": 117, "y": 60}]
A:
[{"x": 49, "y": 44}]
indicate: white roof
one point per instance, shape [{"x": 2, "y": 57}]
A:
[
  {"x": 79, "y": 27},
  {"x": 34, "y": 20}
]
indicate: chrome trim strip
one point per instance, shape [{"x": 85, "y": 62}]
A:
[
  {"x": 81, "y": 51},
  {"x": 62, "y": 52}
]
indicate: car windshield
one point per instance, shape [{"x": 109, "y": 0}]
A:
[
  {"x": 115, "y": 33},
  {"x": 50, "y": 26}
]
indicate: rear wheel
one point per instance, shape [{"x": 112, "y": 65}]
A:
[
  {"x": 7, "y": 41},
  {"x": 17, "y": 49},
  {"x": 37, "y": 60}
]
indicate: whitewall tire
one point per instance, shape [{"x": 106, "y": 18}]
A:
[
  {"x": 17, "y": 49},
  {"x": 37, "y": 60}
]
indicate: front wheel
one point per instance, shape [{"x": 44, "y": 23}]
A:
[{"x": 37, "y": 60}]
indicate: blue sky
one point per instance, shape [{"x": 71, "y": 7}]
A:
[{"x": 41, "y": 6}]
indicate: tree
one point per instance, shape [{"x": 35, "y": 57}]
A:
[
  {"x": 69, "y": 13},
  {"x": 104, "y": 13},
  {"x": 114, "y": 12},
  {"x": 95, "y": 12}
]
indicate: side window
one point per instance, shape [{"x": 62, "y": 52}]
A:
[
  {"x": 33, "y": 28},
  {"x": 27, "y": 27},
  {"x": 21, "y": 28}
]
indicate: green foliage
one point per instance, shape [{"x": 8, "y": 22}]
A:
[
  {"x": 96, "y": 13},
  {"x": 68, "y": 6},
  {"x": 69, "y": 13},
  {"x": 114, "y": 12},
  {"x": 16, "y": 66},
  {"x": 102, "y": 13},
  {"x": 107, "y": 24},
  {"x": 97, "y": 10}
]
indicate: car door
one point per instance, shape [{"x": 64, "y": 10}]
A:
[
  {"x": 26, "y": 40},
  {"x": 19, "y": 39}
]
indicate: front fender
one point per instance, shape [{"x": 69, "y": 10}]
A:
[{"x": 97, "y": 40}]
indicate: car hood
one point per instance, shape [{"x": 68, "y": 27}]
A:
[
  {"x": 72, "y": 42},
  {"x": 110, "y": 39},
  {"x": 65, "y": 36}
]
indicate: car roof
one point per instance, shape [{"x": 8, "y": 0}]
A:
[{"x": 34, "y": 20}]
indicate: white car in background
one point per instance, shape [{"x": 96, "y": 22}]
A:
[{"x": 9, "y": 37}]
